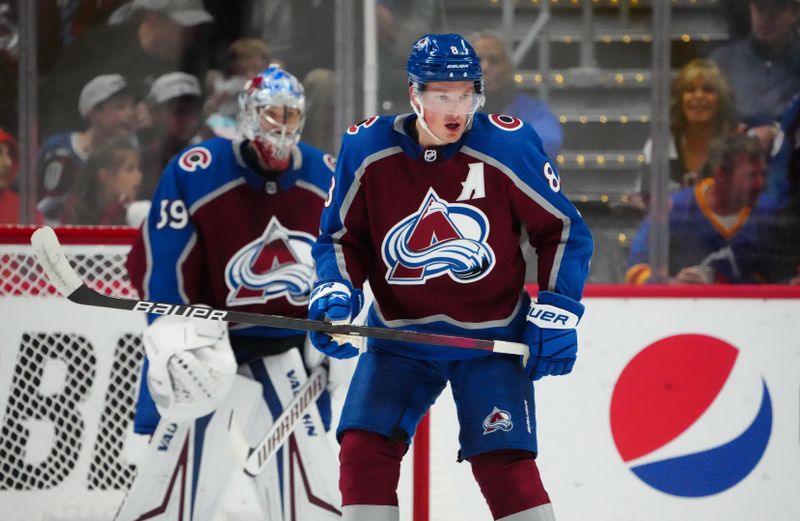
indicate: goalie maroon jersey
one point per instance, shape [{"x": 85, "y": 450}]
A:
[
  {"x": 221, "y": 234},
  {"x": 439, "y": 232}
]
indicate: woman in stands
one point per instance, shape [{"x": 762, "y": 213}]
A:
[{"x": 701, "y": 110}]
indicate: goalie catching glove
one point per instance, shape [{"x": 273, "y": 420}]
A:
[
  {"x": 338, "y": 303},
  {"x": 192, "y": 366},
  {"x": 551, "y": 336}
]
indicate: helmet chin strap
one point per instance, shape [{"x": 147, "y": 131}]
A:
[{"x": 420, "y": 112}]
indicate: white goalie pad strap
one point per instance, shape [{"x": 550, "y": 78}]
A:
[
  {"x": 191, "y": 366},
  {"x": 547, "y": 316}
]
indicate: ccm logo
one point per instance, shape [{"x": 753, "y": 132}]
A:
[
  {"x": 181, "y": 311},
  {"x": 551, "y": 317}
]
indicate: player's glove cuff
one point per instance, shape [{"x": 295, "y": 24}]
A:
[
  {"x": 554, "y": 311},
  {"x": 337, "y": 302},
  {"x": 551, "y": 336}
]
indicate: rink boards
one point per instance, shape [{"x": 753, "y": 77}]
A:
[{"x": 678, "y": 408}]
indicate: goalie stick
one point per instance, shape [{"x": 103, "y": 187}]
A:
[
  {"x": 289, "y": 419},
  {"x": 52, "y": 259}
]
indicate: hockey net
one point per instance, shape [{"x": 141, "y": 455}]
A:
[{"x": 68, "y": 378}]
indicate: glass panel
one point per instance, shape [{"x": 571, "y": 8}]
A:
[{"x": 579, "y": 71}]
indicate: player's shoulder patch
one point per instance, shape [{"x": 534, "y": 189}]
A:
[
  {"x": 354, "y": 129},
  {"x": 194, "y": 158},
  {"x": 505, "y": 122}
]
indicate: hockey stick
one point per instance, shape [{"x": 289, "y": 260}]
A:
[
  {"x": 305, "y": 397},
  {"x": 52, "y": 259}
]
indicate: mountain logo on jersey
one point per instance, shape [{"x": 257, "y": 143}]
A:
[
  {"x": 498, "y": 420},
  {"x": 277, "y": 264},
  {"x": 439, "y": 238},
  {"x": 689, "y": 417}
]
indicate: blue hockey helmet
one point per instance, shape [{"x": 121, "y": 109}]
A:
[{"x": 444, "y": 57}]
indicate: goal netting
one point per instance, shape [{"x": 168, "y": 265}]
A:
[{"x": 68, "y": 378}]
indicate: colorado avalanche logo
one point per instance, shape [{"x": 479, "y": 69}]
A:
[
  {"x": 440, "y": 238},
  {"x": 498, "y": 420},
  {"x": 194, "y": 158},
  {"x": 421, "y": 43},
  {"x": 507, "y": 123},
  {"x": 277, "y": 264}
]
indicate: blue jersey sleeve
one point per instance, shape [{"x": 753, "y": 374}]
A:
[
  {"x": 555, "y": 228},
  {"x": 169, "y": 239},
  {"x": 342, "y": 250}
]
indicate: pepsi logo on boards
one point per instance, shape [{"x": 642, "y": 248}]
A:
[{"x": 665, "y": 390}]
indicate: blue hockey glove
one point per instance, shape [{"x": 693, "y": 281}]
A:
[
  {"x": 550, "y": 335},
  {"x": 336, "y": 302}
]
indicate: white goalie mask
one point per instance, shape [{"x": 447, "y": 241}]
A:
[{"x": 272, "y": 112}]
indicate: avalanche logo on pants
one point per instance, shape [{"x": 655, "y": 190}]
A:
[
  {"x": 277, "y": 264},
  {"x": 439, "y": 238},
  {"x": 498, "y": 420},
  {"x": 688, "y": 419}
]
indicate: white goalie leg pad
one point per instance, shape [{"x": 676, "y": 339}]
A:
[
  {"x": 191, "y": 366},
  {"x": 307, "y": 486},
  {"x": 188, "y": 466}
]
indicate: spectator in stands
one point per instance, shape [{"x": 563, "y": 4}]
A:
[
  {"x": 764, "y": 68},
  {"x": 108, "y": 185},
  {"x": 9, "y": 65},
  {"x": 246, "y": 57},
  {"x": 783, "y": 179},
  {"x": 159, "y": 36},
  {"x": 701, "y": 110},
  {"x": 783, "y": 182},
  {"x": 503, "y": 96},
  {"x": 9, "y": 199},
  {"x": 399, "y": 22},
  {"x": 91, "y": 13},
  {"x": 107, "y": 105},
  {"x": 176, "y": 102},
  {"x": 737, "y": 17},
  {"x": 721, "y": 228}
]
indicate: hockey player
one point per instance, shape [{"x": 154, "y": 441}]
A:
[
  {"x": 431, "y": 209},
  {"x": 232, "y": 225}
]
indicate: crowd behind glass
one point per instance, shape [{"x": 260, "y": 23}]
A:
[{"x": 124, "y": 86}]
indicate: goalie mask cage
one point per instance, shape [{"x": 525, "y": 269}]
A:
[{"x": 69, "y": 377}]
